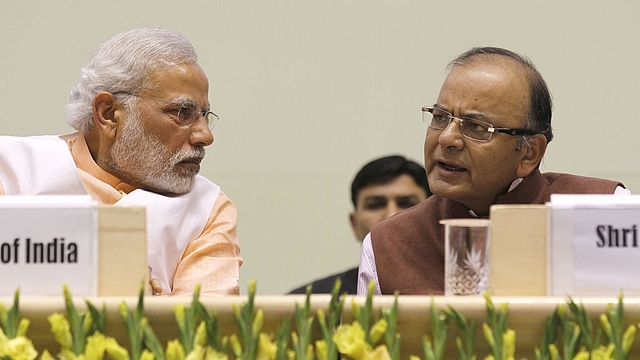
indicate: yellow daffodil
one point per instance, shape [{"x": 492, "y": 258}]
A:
[
  {"x": 606, "y": 325},
  {"x": 175, "y": 351},
  {"x": 96, "y": 346},
  {"x": 67, "y": 354},
  {"x": 201, "y": 335},
  {"x": 235, "y": 345},
  {"x": 178, "y": 312},
  {"x": 212, "y": 354},
  {"x": 266, "y": 348},
  {"x": 488, "y": 335},
  {"x": 23, "y": 327},
  {"x": 114, "y": 350},
  {"x": 377, "y": 330},
  {"x": 350, "y": 340},
  {"x": 554, "y": 353},
  {"x": 321, "y": 350},
  {"x": 379, "y": 353},
  {"x": 582, "y": 355},
  {"x": 46, "y": 356},
  {"x": 196, "y": 354},
  {"x": 18, "y": 348},
  {"x": 61, "y": 330},
  {"x": 509, "y": 344},
  {"x": 603, "y": 353},
  {"x": 147, "y": 355},
  {"x": 627, "y": 338}
]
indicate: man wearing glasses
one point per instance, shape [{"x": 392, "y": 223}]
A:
[
  {"x": 486, "y": 136},
  {"x": 143, "y": 119}
]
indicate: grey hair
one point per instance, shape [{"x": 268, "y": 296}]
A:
[{"x": 124, "y": 63}]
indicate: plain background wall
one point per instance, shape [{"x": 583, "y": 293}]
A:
[{"x": 308, "y": 91}]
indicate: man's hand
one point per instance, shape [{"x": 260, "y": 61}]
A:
[{"x": 156, "y": 286}]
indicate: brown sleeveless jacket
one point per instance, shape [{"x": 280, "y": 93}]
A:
[{"x": 409, "y": 247}]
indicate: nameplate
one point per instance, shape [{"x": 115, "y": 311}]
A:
[
  {"x": 48, "y": 241},
  {"x": 594, "y": 245}
]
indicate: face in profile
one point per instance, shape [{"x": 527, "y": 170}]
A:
[
  {"x": 376, "y": 202},
  {"x": 155, "y": 152}
]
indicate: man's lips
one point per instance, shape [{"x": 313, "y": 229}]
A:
[
  {"x": 193, "y": 163},
  {"x": 451, "y": 166}
]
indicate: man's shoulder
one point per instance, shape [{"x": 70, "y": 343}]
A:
[{"x": 580, "y": 183}]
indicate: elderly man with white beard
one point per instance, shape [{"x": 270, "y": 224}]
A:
[{"x": 142, "y": 118}]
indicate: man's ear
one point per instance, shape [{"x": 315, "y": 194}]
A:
[
  {"x": 533, "y": 153},
  {"x": 352, "y": 221},
  {"x": 107, "y": 113}
]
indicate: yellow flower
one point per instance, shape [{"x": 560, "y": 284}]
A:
[
  {"x": 67, "y": 354},
  {"x": 266, "y": 348},
  {"x": 554, "y": 352},
  {"x": 309, "y": 352},
  {"x": 61, "y": 330},
  {"x": 603, "y": 353},
  {"x": 379, "y": 353},
  {"x": 46, "y": 356},
  {"x": 196, "y": 354},
  {"x": 627, "y": 338},
  {"x": 235, "y": 344},
  {"x": 175, "y": 351},
  {"x": 509, "y": 344},
  {"x": 291, "y": 354},
  {"x": 115, "y": 351},
  {"x": 212, "y": 354},
  {"x": 350, "y": 340},
  {"x": 582, "y": 355},
  {"x": 96, "y": 347},
  {"x": 178, "y": 312},
  {"x": 23, "y": 327},
  {"x": 413, "y": 357},
  {"x": 147, "y": 355},
  {"x": 201, "y": 335},
  {"x": 18, "y": 348},
  {"x": 321, "y": 350},
  {"x": 488, "y": 335},
  {"x": 377, "y": 330},
  {"x": 604, "y": 321},
  {"x": 258, "y": 322}
]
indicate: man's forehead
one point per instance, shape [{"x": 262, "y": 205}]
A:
[{"x": 495, "y": 88}]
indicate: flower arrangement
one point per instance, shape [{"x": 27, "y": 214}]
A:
[{"x": 569, "y": 333}]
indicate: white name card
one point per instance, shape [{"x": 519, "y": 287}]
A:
[
  {"x": 48, "y": 241},
  {"x": 594, "y": 245}
]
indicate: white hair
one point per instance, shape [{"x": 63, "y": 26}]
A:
[{"x": 124, "y": 63}]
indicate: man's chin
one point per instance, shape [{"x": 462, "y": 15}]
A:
[{"x": 184, "y": 186}]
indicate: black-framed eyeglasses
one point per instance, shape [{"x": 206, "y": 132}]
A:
[
  {"x": 187, "y": 113},
  {"x": 473, "y": 129}
]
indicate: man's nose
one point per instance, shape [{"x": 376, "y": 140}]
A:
[
  {"x": 392, "y": 209},
  {"x": 451, "y": 134},
  {"x": 201, "y": 135}
]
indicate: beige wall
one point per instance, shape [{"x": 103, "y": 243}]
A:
[{"x": 310, "y": 90}]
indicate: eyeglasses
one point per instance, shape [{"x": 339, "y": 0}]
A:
[
  {"x": 473, "y": 129},
  {"x": 187, "y": 113}
]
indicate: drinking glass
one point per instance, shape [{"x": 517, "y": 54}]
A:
[{"x": 466, "y": 256}]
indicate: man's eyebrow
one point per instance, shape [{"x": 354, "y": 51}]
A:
[
  {"x": 185, "y": 101},
  {"x": 374, "y": 197},
  {"x": 473, "y": 115}
]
